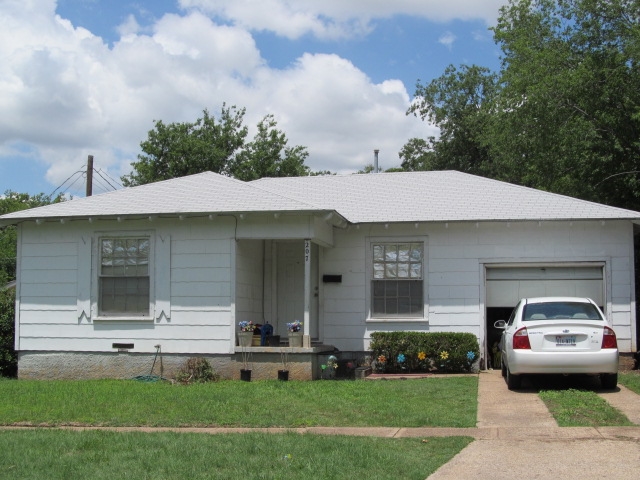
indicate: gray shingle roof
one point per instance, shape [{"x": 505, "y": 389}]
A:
[
  {"x": 443, "y": 196},
  {"x": 201, "y": 193}
]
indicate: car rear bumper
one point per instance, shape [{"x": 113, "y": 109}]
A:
[{"x": 527, "y": 361}]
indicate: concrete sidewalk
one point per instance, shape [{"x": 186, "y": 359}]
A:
[{"x": 518, "y": 438}]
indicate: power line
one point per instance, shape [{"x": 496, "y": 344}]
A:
[
  {"x": 83, "y": 175},
  {"x": 62, "y": 184},
  {"x": 112, "y": 179},
  {"x": 102, "y": 176}
]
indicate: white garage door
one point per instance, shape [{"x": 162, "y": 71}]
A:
[{"x": 507, "y": 285}]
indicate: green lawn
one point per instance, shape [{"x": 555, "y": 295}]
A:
[
  {"x": 64, "y": 454},
  {"x": 430, "y": 402},
  {"x": 582, "y": 408},
  {"x": 631, "y": 380},
  {"x": 59, "y": 454}
]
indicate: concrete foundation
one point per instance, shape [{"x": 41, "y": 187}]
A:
[{"x": 302, "y": 363}]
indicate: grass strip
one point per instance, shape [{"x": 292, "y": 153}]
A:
[
  {"x": 58, "y": 454},
  {"x": 631, "y": 380},
  {"x": 430, "y": 402},
  {"x": 581, "y": 408}
]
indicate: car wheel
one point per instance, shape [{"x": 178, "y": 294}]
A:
[
  {"x": 504, "y": 369},
  {"x": 513, "y": 381},
  {"x": 609, "y": 381}
]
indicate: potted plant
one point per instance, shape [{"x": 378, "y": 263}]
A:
[
  {"x": 245, "y": 335},
  {"x": 284, "y": 373},
  {"x": 245, "y": 371},
  {"x": 295, "y": 333}
]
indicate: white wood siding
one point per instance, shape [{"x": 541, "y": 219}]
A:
[
  {"x": 199, "y": 288},
  {"x": 455, "y": 258},
  {"x": 214, "y": 279}
]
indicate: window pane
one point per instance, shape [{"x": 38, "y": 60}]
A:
[
  {"x": 416, "y": 252},
  {"x": 119, "y": 247},
  {"x": 403, "y": 252},
  {"x": 391, "y": 253},
  {"x": 404, "y": 289},
  {"x": 378, "y": 307},
  {"x": 107, "y": 248},
  {"x": 378, "y": 289},
  {"x": 404, "y": 306},
  {"x": 378, "y": 253},
  {"x": 391, "y": 306},
  {"x": 416, "y": 270},
  {"x": 391, "y": 289},
  {"x": 391, "y": 270},
  {"x": 378, "y": 270},
  {"x": 417, "y": 305},
  {"x": 403, "y": 270}
]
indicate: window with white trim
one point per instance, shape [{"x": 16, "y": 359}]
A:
[
  {"x": 397, "y": 284},
  {"x": 123, "y": 276}
]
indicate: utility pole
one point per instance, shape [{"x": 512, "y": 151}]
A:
[{"x": 89, "y": 175}]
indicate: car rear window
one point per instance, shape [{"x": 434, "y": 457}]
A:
[{"x": 561, "y": 311}]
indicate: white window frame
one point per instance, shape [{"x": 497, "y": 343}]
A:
[
  {"x": 370, "y": 242},
  {"x": 95, "y": 281}
]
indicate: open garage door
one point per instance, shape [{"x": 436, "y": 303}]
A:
[{"x": 505, "y": 286}]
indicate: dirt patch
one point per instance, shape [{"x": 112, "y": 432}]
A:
[{"x": 627, "y": 362}]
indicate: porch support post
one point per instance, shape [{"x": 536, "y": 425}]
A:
[{"x": 306, "y": 339}]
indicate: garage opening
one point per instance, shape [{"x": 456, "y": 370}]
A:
[{"x": 505, "y": 286}]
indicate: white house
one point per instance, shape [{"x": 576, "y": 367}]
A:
[{"x": 103, "y": 281}]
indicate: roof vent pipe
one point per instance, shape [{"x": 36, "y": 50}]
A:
[{"x": 375, "y": 160}]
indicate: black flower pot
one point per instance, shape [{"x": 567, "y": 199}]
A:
[
  {"x": 245, "y": 375},
  {"x": 283, "y": 375}
]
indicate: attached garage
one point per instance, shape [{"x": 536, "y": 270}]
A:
[{"x": 506, "y": 285}]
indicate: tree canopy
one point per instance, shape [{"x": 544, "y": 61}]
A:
[
  {"x": 218, "y": 145},
  {"x": 563, "y": 112}
]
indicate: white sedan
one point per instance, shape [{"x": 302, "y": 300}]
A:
[{"x": 558, "y": 335}]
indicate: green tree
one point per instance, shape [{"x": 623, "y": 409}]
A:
[
  {"x": 567, "y": 117},
  {"x": 8, "y": 356},
  {"x": 456, "y": 102},
  {"x": 563, "y": 112},
  {"x": 179, "y": 149},
  {"x": 418, "y": 155},
  {"x": 268, "y": 155}
]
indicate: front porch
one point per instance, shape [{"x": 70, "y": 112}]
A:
[{"x": 303, "y": 363}]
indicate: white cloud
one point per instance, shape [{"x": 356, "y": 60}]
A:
[
  {"x": 65, "y": 94},
  {"x": 338, "y": 18},
  {"x": 447, "y": 39}
]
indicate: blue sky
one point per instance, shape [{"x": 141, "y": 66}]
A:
[{"x": 83, "y": 77}]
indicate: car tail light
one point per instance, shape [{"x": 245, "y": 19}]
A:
[
  {"x": 609, "y": 338},
  {"x": 521, "y": 340}
]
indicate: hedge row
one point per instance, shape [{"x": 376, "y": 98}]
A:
[{"x": 414, "y": 352}]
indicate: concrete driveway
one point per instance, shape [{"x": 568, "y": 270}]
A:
[{"x": 517, "y": 438}]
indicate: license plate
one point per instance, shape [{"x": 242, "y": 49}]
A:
[{"x": 565, "y": 340}]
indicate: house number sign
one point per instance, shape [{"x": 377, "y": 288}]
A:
[{"x": 307, "y": 251}]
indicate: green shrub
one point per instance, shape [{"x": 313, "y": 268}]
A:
[
  {"x": 397, "y": 352},
  {"x": 8, "y": 356},
  {"x": 197, "y": 370}
]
